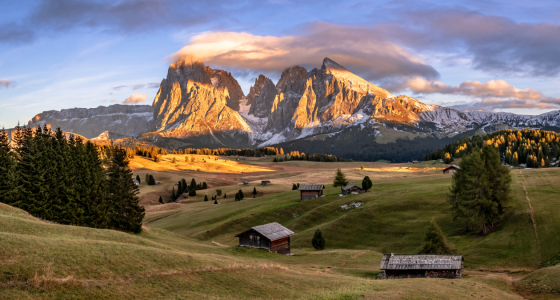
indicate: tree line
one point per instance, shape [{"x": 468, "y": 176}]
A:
[
  {"x": 68, "y": 181},
  {"x": 534, "y": 148}
]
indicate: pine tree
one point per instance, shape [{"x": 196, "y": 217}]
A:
[
  {"x": 184, "y": 186},
  {"x": 237, "y": 197},
  {"x": 294, "y": 187},
  {"x": 205, "y": 198},
  {"x": 318, "y": 241},
  {"x": 216, "y": 201},
  {"x": 366, "y": 183},
  {"x": 225, "y": 195},
  {"x": 218, "y": 192},
  {"x": 241, "y": 196},
  {"x": 480, "y": 189},
  {"x": 160, "y": 200},
  {"x": 435, "y": 242},
  {"x": 173, "y": 196},
  {"x": 151, "y": 180},
  {"x": 138, "y": 179},
  {"x": 204, "y": 186},
  {"x": 340, "y": 178},
  {"x": 7, "y": 170},
  {"x": 254, "y": 191},
  {"x": 147, "y": 179},
  {"x": 126, "y": 214}
]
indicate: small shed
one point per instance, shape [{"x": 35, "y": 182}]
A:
[
  {"x": 265, "y": 182},
  {"x": 271, "y": 236},
  {"x": 245, "y": 182},
  {"x": 414, "y": 162},
  {"x": 451, "y": 169},
  {"x": 351, "y": 189},
  {"x": 423, "y": 265},
  {"x": 311, "y": 191},
  {"x": 135, "y": 182}
]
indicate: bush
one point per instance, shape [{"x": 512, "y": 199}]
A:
[
  {"x": 174, "y": 160},
  {"x": 435, "y": 240},
  {"x": 219, "y": 192}
]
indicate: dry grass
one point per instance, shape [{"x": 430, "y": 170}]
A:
[{"x": 204, "y": 163}]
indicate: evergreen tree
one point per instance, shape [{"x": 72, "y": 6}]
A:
[
  {"x": 184, "y": 186},
  {"x": 7, "y": 170},
  {"x": 205, "y": 198},
  {"x": 340, "y": 178},
  {"x": 318, "y": 241},
  {"x": 147, "y": 179},
  {"x": 151, "y": 180},
  {"x": 216, "y": 201},
  {"x": 138, "y": 179},
  {"x": 204, "y": 186},
  {"x": 435, "y": 242},
  {"x": 241, "y": 196},
  {"x": 173, "y": 196},
  {"x": 254, "y": 191},
  {"x": 237, "y": 197},
  {"x": 480, "y": 189},
  {"x": 366, "y": 183},
  {"x": 193, "y": 185},
  {"x": 218, "y": 192},
  {"x": 294, "y": 187},
  {"x": 160, "y": 200},
  {"x": 126, "y": 214},
  {"x": 225, "y": 195}
]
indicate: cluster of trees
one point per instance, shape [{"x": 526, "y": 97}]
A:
[
  {"x": 240, "y": 196},
  {"x": 150, "y": 180},
  {"x": 183, "y": 187},
  {"x": 295, "y": 187},
  {"x": 480, "y": 190},
  {"x": 67, "y": 181},
  {"x": 534, "y": 148},
  {"x": 152, "y": 152},
  {"x": 314, "y": 157},
  {"x": 235, "y": 152}
]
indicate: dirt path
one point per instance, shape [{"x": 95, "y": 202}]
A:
[
  {"x": 351, "y": 259},
  {"x": 531, "y": 212}
]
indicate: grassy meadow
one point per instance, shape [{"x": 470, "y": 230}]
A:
[{"x": 187, "y": 250}]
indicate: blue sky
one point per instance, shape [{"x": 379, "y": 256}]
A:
[{"x": 471, "y": 55}]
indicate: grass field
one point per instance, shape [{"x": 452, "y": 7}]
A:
[{"x": 188, "y": 251}]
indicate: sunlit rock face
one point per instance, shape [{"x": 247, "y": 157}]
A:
[
  {"x": 256, "y": 88},
  {"x": 191, "y": 102},
  {"x": 124, "y": 120}
]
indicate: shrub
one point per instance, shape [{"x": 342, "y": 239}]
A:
[
  {"x": 318, "y": 241},
  {"x": 219, "y": 192}
]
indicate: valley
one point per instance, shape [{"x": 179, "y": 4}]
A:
[{"x": 188, "y": 249}]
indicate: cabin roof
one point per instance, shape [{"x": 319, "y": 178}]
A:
[
  {"x": 453, "y": 166},
  {"x": 311, "y": 187},
  {"x": 349, "y": 186},
  {"x": 265, "y": 181},
  {"x": 272, "y": 231},
  {"x": 421, "y": 262}
]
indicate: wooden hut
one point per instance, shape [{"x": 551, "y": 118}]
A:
[
  {"x": 272, "y": 236},
  {"x": 423, "y": 265},
  {"x": 245, "y": 182},
  {"x": 310, "y": 191},
  {"x": 414, "y": 162},
  {"x": 265, "y": 182},
  {"x": 351, "y": 189},
  {"x": 451, "y": 169}
]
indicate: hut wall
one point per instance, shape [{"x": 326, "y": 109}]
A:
[
  {"x": 396, "y": 274},
  {"x": 281, "y": 246},
  {"x": 254, "y": 240},
  {"x": 450, "y": 171},
  {"x": 306, "y": 195}
]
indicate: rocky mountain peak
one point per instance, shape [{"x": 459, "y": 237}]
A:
[
  {"x": 263, "y": 101},
  {"x": 256, "y": 88},
  {"x": 331, "y": 64},
  {"x": 292, "y": 79}
]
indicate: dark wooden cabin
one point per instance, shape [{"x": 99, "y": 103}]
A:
[
  {"x": 451, "y": 169},
  {"x": 245, "y": 182},
  {"x": 310, "y": 191},
  {"x": 423, "y": 265},
  {"x": 351, "y": 189},
  {"x": 272, "y": 236},
  {"x": 265, "y": 182}
]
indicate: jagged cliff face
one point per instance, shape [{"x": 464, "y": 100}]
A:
[
  {"x": 262, "y": 103},
  {"x": 256, "y": 89},
  {"x": 192, "y": 103},
  {"x": 124, "y": 120}
]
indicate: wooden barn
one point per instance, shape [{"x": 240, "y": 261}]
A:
[
  {"x": 451, "y": 169},
  {"x": 272, "y": 236},
  {"x": 310, "y": 191},
  {"x": 422, "y": 265},
  {"x": 265, "y": 182},
  {"x": 351, "y": 189}
]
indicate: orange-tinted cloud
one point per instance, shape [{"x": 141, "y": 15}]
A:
[
  {"x": 135, "y": 98},
  {"x": 6, "y": 83},
  {"x": 363, "y": 51},
  {"x": 494, "y": 93}
]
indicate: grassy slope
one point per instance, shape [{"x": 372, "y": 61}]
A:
[
  {"x": 50, "y": 261},
  {"x": 393, "y": 218}
]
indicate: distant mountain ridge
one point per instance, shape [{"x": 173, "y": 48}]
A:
[{"x": 203, "y": 107}]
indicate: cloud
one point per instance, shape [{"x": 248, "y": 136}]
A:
[
  {"x": 6, "y": 83},
  {"x": 104, "y": 100},
  {"x": 135, "y": 98},
  {"x": 492, "y": 104},
  {"x": 114, "y": 101},
  {"x": 493, "y": 93},
  {"x": 495, "y": 44},
  {"x": 138, "y": 86},
  {"x": 118, "y": 88},
  {"x": 362, "y": 50},
  {"x": 153, "y": 85}
]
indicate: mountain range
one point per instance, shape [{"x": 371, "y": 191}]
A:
[{"x": 324, "y": 110}]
